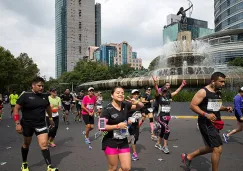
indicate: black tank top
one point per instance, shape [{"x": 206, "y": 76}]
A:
[{"x": 211, "y": 104}]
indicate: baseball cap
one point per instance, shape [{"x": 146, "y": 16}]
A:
[
  {"x": 134, "y": 91},
  {"x": 241, "y": 89},
  {"x": 53, "y": 89},
  {"x": 90, "y": 88},
  {"x": 148, "y": 88}
]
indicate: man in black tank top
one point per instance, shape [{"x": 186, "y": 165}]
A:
[{"x": 207, "y": 103}]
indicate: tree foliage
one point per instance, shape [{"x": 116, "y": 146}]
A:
[
  {"x": 153, "y": 64},
  {"x": 16, "y": 73},
  {"x": 237, "y": 62}
]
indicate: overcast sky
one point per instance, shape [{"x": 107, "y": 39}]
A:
[{"x": 29, "y": 26}]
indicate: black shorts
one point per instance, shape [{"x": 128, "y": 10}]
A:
[
  {"x": 28, "y": 130},
  {"x": 114, "y": 143},
  {"x": 88, "y": 119},
  {"x": 209, "y": 133},
  {"x": 145, "y": 111},
  {"x": 134, "y": 131},
  {"x": 66, "y": 107},
  {"x": 78, "y": 107},
  {"x": 238, "y": 118}
]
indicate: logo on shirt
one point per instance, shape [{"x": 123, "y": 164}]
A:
[
  {"x": 114, "y": 115},
  {"x": 31, "y": 98}
]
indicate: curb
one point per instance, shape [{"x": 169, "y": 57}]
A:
[{"x": 195, "y": 117}]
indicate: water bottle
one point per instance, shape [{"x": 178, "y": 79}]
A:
[{"x": 124, "y": 131}]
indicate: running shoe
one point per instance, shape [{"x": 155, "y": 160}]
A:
[
  {"x": 226, "y": 138},
  {"x": 153, "y": 137},
  {"x": 186, "y": 162},
  {"x": 24, "y": 166},
  {"x": 87, "y": 141},
  {"x": 165, "y": 149},
  {"x": 50, "y": 168},
  {"x": 67, "y": 122},
  {"x": 135, "y": 157},
  {"x": 158, "y": 146},
  {"x": 80, "y": 120},
  {"x": 52, "y": 144}
]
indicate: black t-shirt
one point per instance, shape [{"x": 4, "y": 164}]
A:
[
  {"x": 114, "y": 117},
  {"x": 211, "y": 104},
  {"x": 80, "y": 98},
  {"x": 33, "y": 108},
  {"x": 168, "y": 96},
  {"x": 147, "y": 97},
  {"x": 66, "y": 99},
  {"x": 163, "y": 105}
]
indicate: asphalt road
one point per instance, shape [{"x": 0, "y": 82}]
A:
[{"x": 73, "y": 154}]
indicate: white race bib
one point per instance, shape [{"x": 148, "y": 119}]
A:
[
  {"x": 55, "y": 114},
  {"x": 150, "y": 110},
  {"x": 80, "y": 103},
  {"x": 90, "y": 106},
  {"x": 214, "y": 105},
  {"x": 120, "y": 133},
  {"x": 67, "y": 103},
  {"x": 166, "y": 109}
]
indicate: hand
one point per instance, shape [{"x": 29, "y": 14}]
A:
[
  {"x": 183, "y": 83},
  {"x": 91, "y": 113},
  {"x": 131, "y": 120},
  {"x": 155, "y": 78},
  {"x": 52, "y": 124},
  {"x": 133, "y": 101},
  {"x": 122, "y": 125},
  {"x": 19, "y": 129},
  {"x": 211, "y": 117},
  {"x": 229, "y": 109}
]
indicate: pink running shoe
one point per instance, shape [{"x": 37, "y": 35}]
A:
[{"x": 52, "y": 144}]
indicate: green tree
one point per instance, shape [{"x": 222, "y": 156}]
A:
[
  {"x": 236, "y": 62},
  {"x": 153, "y": 64}
]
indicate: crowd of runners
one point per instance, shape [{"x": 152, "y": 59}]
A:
[{"x": 119, "y": 122}]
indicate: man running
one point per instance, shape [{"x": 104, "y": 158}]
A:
[
  {"x": 34, "y": 105},
  {"x": 207, "y": 103},
  {"x": 79, "y": 100},
  {"x": 66, "y": 99},
  {"x": 88, "y": 106},
  {"x": 13, "y": 99},
  {"x": 238, "y": 109}
]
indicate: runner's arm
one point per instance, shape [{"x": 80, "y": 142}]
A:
[
  {"x": 16, "y": 109},
  {"x": 49, "y": 111},
  {"x": 177, "y": 90},
  {"x": 237, "y": 103},
  {"x": 196, "y": 100}
]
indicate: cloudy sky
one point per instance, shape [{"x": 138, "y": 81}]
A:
[{"x": 29, "y": 26}]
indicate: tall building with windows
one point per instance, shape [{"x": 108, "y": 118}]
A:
[
  {"x": 228, "y": 14},
  {"x": 75, "y": 32},
  {"x": 97, "y": 24},
  {"x": 115, "y": 54},
  {"x": 198, "y": 28}
]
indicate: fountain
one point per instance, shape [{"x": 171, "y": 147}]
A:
[{"x": 184, "y": 59}]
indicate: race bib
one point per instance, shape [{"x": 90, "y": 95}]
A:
[
  {"x": 214, "y": 105},
  {"x": 166, "y": 109},
  {"x": 80, "y": 103},
  {"x": 120, "y": 134},
  {"x": 67, "y": 103},
  {"x": 55, "y": 114},
  {"x": 150, "y": 110},
  {"x": 90, "y": 106}
]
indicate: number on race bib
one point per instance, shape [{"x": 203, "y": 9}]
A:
[
  {"x": 166, "y": 109},
  {"x": 214, "y": 105},
  {"x": 120, "y": 134}
]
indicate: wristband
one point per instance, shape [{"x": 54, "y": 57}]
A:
[
  {"x": 117, "y": 126},
  {"x": 16, "y": 117},
  {"x": 50, "y": 119},
  {"x": 205, "y": 114}
]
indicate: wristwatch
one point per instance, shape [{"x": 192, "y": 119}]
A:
[{"x": 50, "y": 119}]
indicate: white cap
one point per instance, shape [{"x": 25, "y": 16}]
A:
[
  {"x": 135, "y": 90},
  {"x": 241, "y": 88},
  {"x": 91, "y": 88}
]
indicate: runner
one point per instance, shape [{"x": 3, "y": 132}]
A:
[
  {"x": 13, "y": 99},
  {"x": 99, "y": 103},
  {"x": 74, "y": 95},
  {"x": 34, "y": 105},
  {"x": 207, "y": 103},
  {"x": 238, "y": 109},
  {"x": 1, "y": 107},
  {"x": 66, "y": 99},
  {"x": 55, "y": 103},
  {"x": 134, "y": 127},
  {"x": 88, "y": 106},
  {"x": 78, "y": 106},
  {"x": 115, "y": 143},
  {"x": 147, "y": 110},
  {"x": 163, "y": 117}
]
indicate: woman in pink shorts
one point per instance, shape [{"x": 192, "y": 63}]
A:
[{"x": 115, "y": 143}]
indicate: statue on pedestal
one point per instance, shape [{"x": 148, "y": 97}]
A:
[{"x": 182, "y": 12}]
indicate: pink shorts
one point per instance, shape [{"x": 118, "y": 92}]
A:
[{"x": 114, "y": 151}]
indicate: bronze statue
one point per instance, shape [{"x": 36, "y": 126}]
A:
[{"x": 183, "y": 14}]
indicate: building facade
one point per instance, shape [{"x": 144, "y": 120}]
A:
[
  {"x": 97, "y": 24},
  {"x": 225, "y": 45},
  {"x": 115, "y": 54},
  {"x": 75, "y": 32},
  {"x": 198, "y": 28},
  {"x": 228, "y": 14}
]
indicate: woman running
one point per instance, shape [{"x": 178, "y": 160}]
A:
[
  {"x": 99, "y": 103},
  {"x": 115, "y": 143},
  {"x": 163, "y": 116}
]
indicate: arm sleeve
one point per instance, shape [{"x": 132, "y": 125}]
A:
[
  {"x": 21, "y": 99},
  {"x": 237, "y": 104}
]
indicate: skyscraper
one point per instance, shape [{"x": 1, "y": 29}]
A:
[
  {"x": 75, "y": 32},
  {"x": 228, "y": 14},
  {"x": 97, "y": 24}
]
